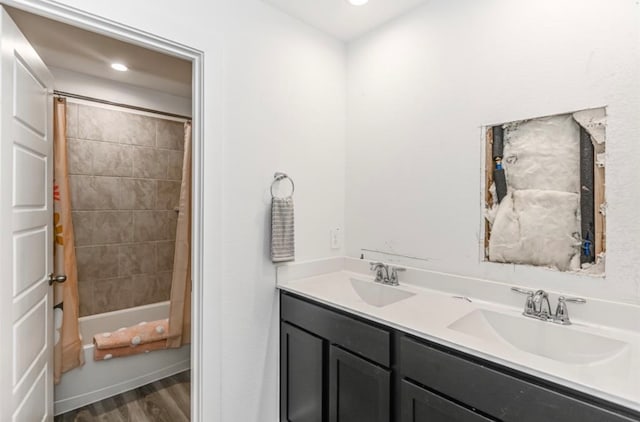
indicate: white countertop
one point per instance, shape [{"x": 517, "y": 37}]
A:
[{"x": 429, "y": 313}]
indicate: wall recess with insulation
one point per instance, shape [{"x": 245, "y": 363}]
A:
[{"x": 545, "y": 192}]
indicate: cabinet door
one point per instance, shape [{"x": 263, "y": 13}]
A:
[
  {"x": 420, "y": 405},
  {"x": 506, "y": 396},
  {"x": 358, "y": 390},
  {"x": 301, "y": 357}
]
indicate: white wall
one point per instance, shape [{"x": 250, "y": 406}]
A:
[
  {"x": 274, "y": 101},
  {"x": 419, "y": 90},
  {"x": 105, "y": 89}
]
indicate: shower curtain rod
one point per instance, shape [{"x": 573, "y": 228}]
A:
[{"x": 112, "y": 103}]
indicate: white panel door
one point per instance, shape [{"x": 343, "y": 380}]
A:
[{"x": 26, "y": 239}]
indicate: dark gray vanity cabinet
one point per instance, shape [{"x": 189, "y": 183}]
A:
[
  {"x": 493, "y": 391},
  {"x": 337, "y": 367},
  {"x": 420, "y": 405},
  {"x": 358, "y": 390},
  {"x": 333, "y": 367},
  {"x": 301, "y": 386}
]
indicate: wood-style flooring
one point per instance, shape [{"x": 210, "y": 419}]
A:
[{"x": 166, "y": 400}]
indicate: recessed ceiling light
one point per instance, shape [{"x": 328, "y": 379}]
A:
[
  {"x": 358, "y": 2},
  {"x": 119, "y": 67}
]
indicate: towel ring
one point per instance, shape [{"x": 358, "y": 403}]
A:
[{"x": 281, "y": 176}]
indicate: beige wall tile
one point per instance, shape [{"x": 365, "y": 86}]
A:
[
  {"x": 169, "y": 134},
  {"x": 99, "y": 124},
  {"x": 94, "y": 228},
  {"x": 85, "y": 294},
  {"x": 138, "y": 130},
  {"x": 94, "y": 193},
  {"x": 80, "y": 156},
  {"x": 165, "y": 255},
  {"x": 112, "y": 159},
  {"x": 149, "y": 288},
  {"x": 97, "y": 262},
  {"x": 137, "y": 194},
  {"x": 138, "y": 258},
  {"x": 149, "y": 163},
  {"x": 143, "y": 287},
  {"x": 112, "y": 295},
  {"x": 174, "y": 165},
  {"x": 168, "y": 195},
  {"x": 150, "y": 226},
  {"x": 164, "y": 285},
  {"x": 125, "y": 181},
  {"x": 112, "y": 227},
  {"x": 172, "y": 223},
  {"x": 72, "y": 120},
  {"x": 83, "y": 223}
]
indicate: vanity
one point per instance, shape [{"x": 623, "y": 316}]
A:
[{"x": 355, "y": 350}]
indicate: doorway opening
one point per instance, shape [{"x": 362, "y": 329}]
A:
[{"x": 125, "y": 137}]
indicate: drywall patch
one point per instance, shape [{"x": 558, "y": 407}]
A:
[{"x": 539, "y": 220}]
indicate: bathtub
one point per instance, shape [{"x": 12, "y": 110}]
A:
[{"x": 98, "y": 380}]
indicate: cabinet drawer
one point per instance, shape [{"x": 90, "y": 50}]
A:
[
  {"x": 420, "y": 405},
  {"x": 364, "y": 339},
  {"x": 493, "y": 392}
]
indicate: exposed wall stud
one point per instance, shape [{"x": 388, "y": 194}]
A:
[
  {"x": 587, "y": 209},
  {"x": 599, "y": 201}
]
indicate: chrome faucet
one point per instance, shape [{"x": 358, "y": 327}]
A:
[
  {"x": 382, "y": 273},
  {"x": 562, "y": 313},
  {"x": 393, "y": 280},
  {"x": 534, "y": 306},
  {"x": 541, "y": 297}
]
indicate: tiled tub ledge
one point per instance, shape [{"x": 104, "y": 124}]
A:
[{"x": 431, "y": 311}]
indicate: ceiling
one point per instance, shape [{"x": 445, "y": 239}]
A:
[
  {"x": 67, "y": 47},
  {"x": 342, "y": 20}
]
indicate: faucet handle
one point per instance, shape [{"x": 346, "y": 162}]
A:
[
  {"x": 572, "y": 299},
  {"x": 562, "y": 313},
  {"x": 373, "y": 266},
  {"x": 529, "y": 307},
  {"x": 522, "y": 291},
  {"x": 393, "y": 279},
  {"x": 381, "y": 270}
]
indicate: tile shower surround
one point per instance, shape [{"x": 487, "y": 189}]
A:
[{"x": 125, "y": 171}]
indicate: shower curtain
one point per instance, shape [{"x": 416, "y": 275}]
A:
[
  {"x": 68, "y": 352},
  {"x": 180, "y": 308}
]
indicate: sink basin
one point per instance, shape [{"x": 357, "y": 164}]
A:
[
  {"x": 552, "y": 341},
  {"x": 379, "y": 295}
]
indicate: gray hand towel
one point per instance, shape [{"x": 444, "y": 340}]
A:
[{"x": 282, "y": 230}]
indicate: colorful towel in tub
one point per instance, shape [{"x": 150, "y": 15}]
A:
[{"x": 142, "y": 338}]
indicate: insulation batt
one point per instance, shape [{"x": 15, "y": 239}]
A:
[
  {"x": 538, "y": 222},
  {"x": 543, "y": 154},
  {"x": 537, "y": 227}
]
